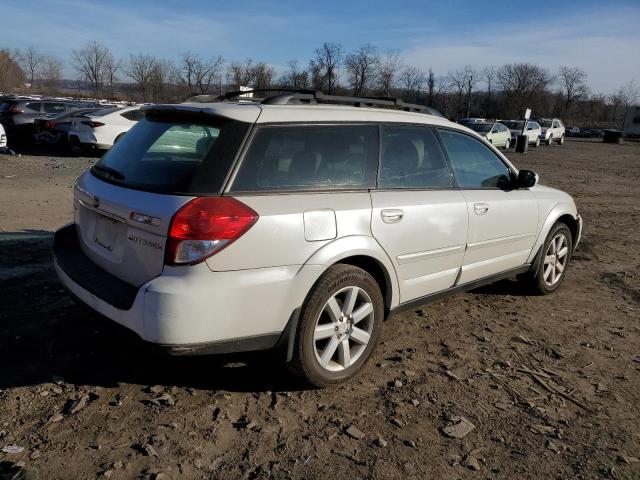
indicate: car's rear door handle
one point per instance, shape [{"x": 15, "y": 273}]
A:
[
  {"x": 481, "y": 208},
  {"x": 391, "y": 215}
]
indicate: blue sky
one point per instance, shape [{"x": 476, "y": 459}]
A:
[{"x": 601, "y": 37}]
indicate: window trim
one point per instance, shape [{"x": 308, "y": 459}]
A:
[
  {"x": 512, "y": 171},
  {"x": 299, "y": 191}
]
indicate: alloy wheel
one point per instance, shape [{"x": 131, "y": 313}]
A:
[
  {"x": 343, "y": 329},
  {"x": 555, "y": 259}
]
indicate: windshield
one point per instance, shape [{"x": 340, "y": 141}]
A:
[
  {"x": 174, "y": 155},
  {"x": 481, "y": 127},
  {"x": 513, "y": 125}
]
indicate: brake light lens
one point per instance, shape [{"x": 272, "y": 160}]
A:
[
  {"x": 15, "y": 110},
  {"x": 92, "y": 124},
  {"x": 204, "y": 226}
]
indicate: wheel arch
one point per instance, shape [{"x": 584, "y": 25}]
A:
[
  {"x": 561, "y": 212},
  {"x": 363, "y": 252}
]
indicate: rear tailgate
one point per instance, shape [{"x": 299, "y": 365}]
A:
[{"x": 110, "y": 236}]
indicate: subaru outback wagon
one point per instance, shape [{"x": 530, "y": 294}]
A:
[{"x": 299, "y": 222}]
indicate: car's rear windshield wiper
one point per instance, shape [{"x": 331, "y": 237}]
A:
[{"x": 111, "y": 172}]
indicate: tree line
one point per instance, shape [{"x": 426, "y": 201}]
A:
[{"x": 493, "y": 91}]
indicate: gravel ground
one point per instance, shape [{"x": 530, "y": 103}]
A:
[{"x": 536, "y": 387}]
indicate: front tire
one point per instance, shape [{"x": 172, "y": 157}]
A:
[
  {"x": 552, "y": 267},
  {"x": 340, "y": 325},
  {"x": 561, "y": 141},
  {"x": 537, "y": 144},
  {"x": 550, "y": 140},
  {"x": 507, "y": 144}
]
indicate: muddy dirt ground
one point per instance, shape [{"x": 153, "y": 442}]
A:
[{"x": 550, "y": 384}]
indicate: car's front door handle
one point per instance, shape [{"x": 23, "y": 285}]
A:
[
  {"x": 481, "y": 208},
  {"x": 391, "y": 215}
]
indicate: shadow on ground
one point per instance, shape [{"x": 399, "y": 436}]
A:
[{"x": 45, "y": 335}]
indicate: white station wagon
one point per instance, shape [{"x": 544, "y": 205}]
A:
[{"x": 299, "y": 222}]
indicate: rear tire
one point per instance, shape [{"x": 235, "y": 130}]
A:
[
  {"x": 507, "y": 145},
  {"x": 550, "y": 141},
  {"x": 554, "y": 261},
  {"x": 561, "y": 141},
  {"x": 537, "y": 144},
  {"x": 340, "y": 325}
]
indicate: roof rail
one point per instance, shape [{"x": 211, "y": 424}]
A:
[{"x": 287, "y": 96}]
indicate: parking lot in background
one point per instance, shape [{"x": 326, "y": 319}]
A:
[{"x": 549, "y": 384}]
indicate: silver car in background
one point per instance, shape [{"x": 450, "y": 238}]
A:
[{"x": 533, "y": 131}]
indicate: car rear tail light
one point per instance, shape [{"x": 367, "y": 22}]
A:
[
  {"x": 204, "y": 226},
  {"x": 16, "y": 110},
  {"x": 92, "y": 124}
]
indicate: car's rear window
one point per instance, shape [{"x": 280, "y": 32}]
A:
[
  {"x": 183, "y": 154},
  {"x": 310, "y": 157}
]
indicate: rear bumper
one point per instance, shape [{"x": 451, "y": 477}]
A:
[{"x": 188, "y": 310}]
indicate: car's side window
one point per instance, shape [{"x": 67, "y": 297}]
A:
[
  {"x": 474, "y": 164},
  {"x": 309, "y": 157},
  {"x": 35, "y": 106},
  {"x": 54, "y": 107},
  {"x": 412, "y": 158}
]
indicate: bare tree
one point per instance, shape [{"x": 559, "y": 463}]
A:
[
  {"x": 412, "y": 80},
  {"x": 328, "y": 60},
  {"x": 140, "y": 69},
  {"x": 32, "y": 62},
  {"x": 389, "y": 66},
  {"x": 51, "y": 74},
  {"x": 111, "y": 67},
  {"x": 159, "y": 78},
  {"x": 629, "y": 93},
  {"x": 241, "y": 73},
  {"x": 262, "y": 75},
  {"x": 573, "y": 85},
  {"x": 316, "y": 77},
  {"x": 200, "y": 75},
  {"x": 458, "y": 81},
  {"x": 293, "y": 77},
  {"x": 522, "y": 84},
  {"x": 11, "y": 74},
  {"x": 490, "y": 72},
  {"x": 472, "y": 77},
  {"x": 90, "y": 61},
  {"x": 361, "y": 67},
  {"x": 431, "y": 86}
]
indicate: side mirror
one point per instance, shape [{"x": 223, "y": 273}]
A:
[{"x": 526, "y": 179}]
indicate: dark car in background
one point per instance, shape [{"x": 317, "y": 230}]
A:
[{"x": 18, "y": 115}]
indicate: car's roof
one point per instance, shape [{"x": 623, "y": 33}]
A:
[{"x": 261, "y": 113}]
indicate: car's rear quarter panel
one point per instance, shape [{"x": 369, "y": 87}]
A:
[{"x": 281, "y": 236}]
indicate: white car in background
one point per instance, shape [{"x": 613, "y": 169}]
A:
[
  {"x": 3, "y": 138},
  {"x": 533, "y": 131},
  {"x": 552, "y": 130},
  {"x": 101, "y": 129}
]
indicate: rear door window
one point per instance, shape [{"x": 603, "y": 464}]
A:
[
  {"x": 474, "y": 164},
  {"x": 54, "y": 107},
  {"x": 309, "y": 157},
  {"x": 35, "y": 106},
  {"x": 174, "y": 155},
  {"x": 412, "y": 158}
]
